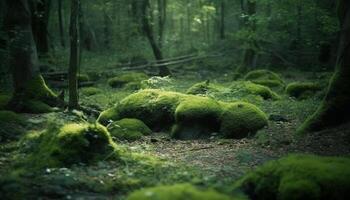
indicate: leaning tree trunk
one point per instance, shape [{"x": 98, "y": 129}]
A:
[
  {"x": 74, "y": 56},
  {"x": 148, "y": 30},
  {"x": 29, "y": 86},
  {"x": 335, "y": 108}
]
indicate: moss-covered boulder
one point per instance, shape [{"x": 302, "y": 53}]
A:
[
  {"x": 90, "y": 91},
  {"x": 197, "y": 117},
  {"x": 265, "y": 77},
  {"x": 303, "y": 90},
  {"x": 240, "y": 119},
  {"x": 202, "y": 88},
  {"x": 191, "y": 117},
  {"x": 128, "y": 129},
  {"x": 12, "y": 125},
  {"x": 122, "y": 80},
  {"x": 177, "y": 192},
  {"x": 73, "y": 144},
  {"x": 244, "y": 88},
  {"x": 299, "y": 177}
]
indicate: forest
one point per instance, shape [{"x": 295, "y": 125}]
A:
[{"x": 175, "y": 99}]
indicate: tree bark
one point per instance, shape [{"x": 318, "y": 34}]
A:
[
  {"x": 335, "y": 109},
  {"x": 27, "y": 81},
  {"x": 222, "y": 20},
  {"x": 40, "y": 22},
  {"x": 60, "y": 23},
  {"x": 162, "y": 15},
  {"x": 74, "y": 56}
]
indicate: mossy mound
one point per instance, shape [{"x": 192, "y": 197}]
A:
[
  {"x": 122, "y": 80},
  {"x": 264, "y": 76},
  {"x": 202, "y": 88},
  {"x": 196, "y": 117},
  {"x": 191, "y": 116},
  {"x": 73, "y": 144},
  {"x": 240, "y": 119},
  {"x": 303, "y": 90},
  {"x": 243, "y": 88},
  {"x": 128, "y": 129},
  {"x": 36, "y": 107},
  {"x": 90, "y": 91},
  {"x": 11, "y": 125},
  {"x": 83, "y": 78},
  {"x": 176, "y": 192},
  {"x": 299, "y": 177},
  {"x": 4, "y": 100}
]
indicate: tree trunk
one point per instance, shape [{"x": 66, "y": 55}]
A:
[
  {"x": 222, "y": 20},
  {"x": 162, "y": 14},
  {"x": 335, "y": 108},
  {"x": 148, "y": 30},
  {"x": 60, "y": 23},
  {"x": 40, "y": 22},
  {"x": 27, "y": 82},
  {"x": 74, "y": 55}
]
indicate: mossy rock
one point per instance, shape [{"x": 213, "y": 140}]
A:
[
  {"x": 73, "y": 144},
  {"x": 83, "y": 78},
  {"x": 90, "y": 91},
  {"x": 303, "y": 90},
  {"x": 196, "y": 117},
  {"x": 240, "y": 119},
  {"x": 265, "y": 77},
  {"x": 128, "y": 129},
  {"x": 176, "y": 192},
  {"x": 202, "y": 88},
  {"x": 11, "y": 125},
  {"x": 244, "y": 88},
  {"x": 122, "y": 80},
  {"x": 4, "y": 100},
  {"x": 191, "y": 117},
  {"x": 299, "y": 177}
]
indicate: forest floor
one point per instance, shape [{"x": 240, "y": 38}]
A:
[{"x": 213, "y": 162}]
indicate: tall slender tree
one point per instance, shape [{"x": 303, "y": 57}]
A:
[
  {"x": 60, "y": 22},
  {"x": 40, "y": 24},
  {"x": 335, "y": 108}
]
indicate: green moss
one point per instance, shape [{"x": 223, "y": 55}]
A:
[
  {"x": 176, "y": 192},
  {"x": 191, "y": 116},
  {"x": 245, "y": 88},
  {"x": 202, "y": 88},
  {"x": 36, "y": 107},
  {"x": 133, "y": 86},
  {"x": 4, "y": 100},
  {"x": 299, "y": 177},
  {"x": 269, "y": 83},
  {"x": 196, "y": 117},
  {"x": 83, "y": 78},
  {"x": 90, "y": 91},
  {"x": 11, "y": 125},
  {"x": 11, "y": 117},
  {"x": 241, "y": 119},
  {"x": 124, "y": 79},
  {"x": 262, "y": 75},
  {"x": 73, "y": 144},
  {"x": 38, "y": 90},
  {"x": 302, "y": 90},
  {"x": 128, "y": 129}
]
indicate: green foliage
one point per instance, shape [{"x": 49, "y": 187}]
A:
[
  {"x": 128, "y": 129},
  {"x": 157, "y": 82},
  {"x": 242, "y": 119},
  {"x": 90, "y": 91},
  {"x": 72, "y": 144},
  {"x": 302, "y": 90},
  {"x": 122, "y": 80},
  {"x": 177, "y": 192},
  {"x": 240, "y": 89},
  {"x": 299, "y": 177}
]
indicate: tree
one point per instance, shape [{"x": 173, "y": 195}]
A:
[
  {"x": 40, "y": 23},
  {"x": 29, "y": 86},
  {"x": 222, "y": 20},
  {"x": 74, "y": 55},
  {"x": 60, "y": 22},
  {"x": 335, "y": 108}
]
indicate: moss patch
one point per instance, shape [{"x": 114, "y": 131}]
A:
[
  {"x": 83, "y": 78},
  {"x": 302, "y": 90},
  {"x": 191, "y": 116},
  {"x": 264, "y": 77},
  {"x": 243, "y": 88},
  {"x": 242, "y": 119},
  {"x": 11, "y": 125},
  {"x": 73, "y": 144},
  {"x": 128, "y": 129},
  {"x": 90, "y": 91},
  {"x": 299, "y": 177},
  {"x": 177, "y": 192},
  {"x": 202, "y": 88},
  {"x": 122, "y": 80},
  {"x": 4, "y": 100}
]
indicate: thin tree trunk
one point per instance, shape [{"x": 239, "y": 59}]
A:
[
  {"x": 222, "y": 20},
  {"x": 40, "y": 22},
  {"x": 60, "y": 23},
  {"x": 335, "y": 108},
  {"x": 162, "y": 14},
  {"x": 74, "y": 55}
]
